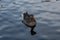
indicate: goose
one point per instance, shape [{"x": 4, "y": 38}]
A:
[{"x": 29, "y": 21}]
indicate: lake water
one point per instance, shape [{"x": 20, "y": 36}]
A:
[{"x": 11, "y": 27}]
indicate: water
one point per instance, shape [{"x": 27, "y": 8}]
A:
[{"x": 11, "y": 27}]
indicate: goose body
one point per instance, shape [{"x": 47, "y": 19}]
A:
[{"x": 29, "y": 21}]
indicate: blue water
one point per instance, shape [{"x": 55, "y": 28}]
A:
[{"x": 11, "y": 27}]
